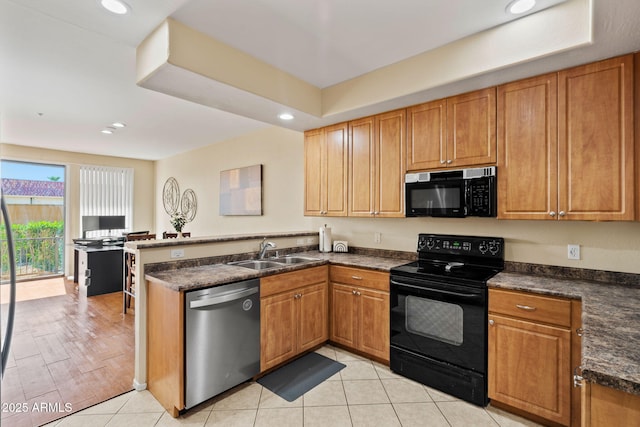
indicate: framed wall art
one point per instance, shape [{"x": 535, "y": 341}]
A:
[{"x": 241, "y": 191}]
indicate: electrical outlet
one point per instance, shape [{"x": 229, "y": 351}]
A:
[
  {"x": 177, "y": 253},
  {"x": 573, "y": 251},
  {"x": 377, "y": 237}
]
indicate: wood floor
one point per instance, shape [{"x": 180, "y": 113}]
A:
[{"x": 68, "y": 353}]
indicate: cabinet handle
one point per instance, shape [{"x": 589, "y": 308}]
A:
[
  {"x": 562, "y": 213},
  {"x": 353, "y": 292},
  {"x": 297, "y": 296},
  {"x": 552, "y": 214},
  {"x": 449, "y": 162},
  {"x": 358, "y": 293},
  {"x": 442, "y": 162},
  {"x": 356, "y": 277},
  {"x": 526, "y": 307},
  {"x": 579, "y": 332},
  {"x": 491, "y": 322}
]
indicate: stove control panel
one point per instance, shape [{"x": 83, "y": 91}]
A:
[{"x": 486, "y": 247}]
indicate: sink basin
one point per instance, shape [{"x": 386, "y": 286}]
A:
[
  {"x": 263, "y": 264},
  {"x": 294, "y": 259},
  {"x": 257, "y": 264}
]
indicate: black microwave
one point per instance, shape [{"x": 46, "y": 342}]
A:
[{"x": 451, "y": 193}]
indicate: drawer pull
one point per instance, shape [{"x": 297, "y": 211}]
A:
[
  {"x": 579, "y": 332},
  {"x": 526, "y": 307},
  {"x": 356, "y": 277}
]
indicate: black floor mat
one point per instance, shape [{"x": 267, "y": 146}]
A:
[{"x": 298, "y": 377}]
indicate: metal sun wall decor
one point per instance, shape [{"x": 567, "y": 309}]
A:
[{"x": 174, "y": 203}]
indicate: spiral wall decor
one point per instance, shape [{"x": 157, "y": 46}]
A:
[{"x": 187, "y": 204}]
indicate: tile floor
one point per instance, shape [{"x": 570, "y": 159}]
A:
[{"x": 364, "y": 393}]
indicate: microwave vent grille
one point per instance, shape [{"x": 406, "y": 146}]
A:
[
  {"x": 479, "y": 172},
  {"x": 417, "y": 177}
]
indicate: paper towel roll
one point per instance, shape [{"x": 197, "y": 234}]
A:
[{"x": 324, "y": 239}]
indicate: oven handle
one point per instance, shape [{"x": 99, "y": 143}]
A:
[{"x": 441, "y": 291}]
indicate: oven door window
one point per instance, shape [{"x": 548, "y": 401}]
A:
[{"x": 436, "y": 320}]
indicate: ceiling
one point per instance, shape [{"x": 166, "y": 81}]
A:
[{"x": 68, "y": 68}]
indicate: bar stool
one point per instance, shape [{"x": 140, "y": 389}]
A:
[{"x": 129, "y": 285}]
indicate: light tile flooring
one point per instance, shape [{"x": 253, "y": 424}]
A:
[{"x": 364, "y": 393}]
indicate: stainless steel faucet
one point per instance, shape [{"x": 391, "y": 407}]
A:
[{"x": 264, "y": 245}]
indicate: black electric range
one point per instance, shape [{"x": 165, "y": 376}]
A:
[{"x": 439, "y": 313}]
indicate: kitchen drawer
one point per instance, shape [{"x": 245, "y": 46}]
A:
[
  {"x": 284, "y": 282},
  {"x": 553, "y": 310},
  {"x": 359, "y": 277}
]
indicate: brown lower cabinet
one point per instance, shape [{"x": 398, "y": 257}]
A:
[
  {"x": 293, "y": 314},
  {"x": 360, "y": 310},
  {"x": 165, "y": 346},
  {"x": 533, "y": 347},
  {"x": 604, "y": 406}
]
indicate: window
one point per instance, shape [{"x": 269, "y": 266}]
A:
[{"x": 106, "y": 191}]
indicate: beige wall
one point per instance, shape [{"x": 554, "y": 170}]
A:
[
  {"x": 144, "y": 185},
  {"x": 611, "y": 246}
]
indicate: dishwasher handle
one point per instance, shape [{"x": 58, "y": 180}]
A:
[{"x": 221, "y": 299}]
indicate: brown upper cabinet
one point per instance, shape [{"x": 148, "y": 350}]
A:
[
  {"x": 376, "y": 165},
  {"x": 325, "y": 171},
  {"x": 566, "y": 144},
  {"x": 456, "y": 132}
]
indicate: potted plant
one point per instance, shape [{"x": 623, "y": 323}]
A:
[{"x": 178, "y": 220}]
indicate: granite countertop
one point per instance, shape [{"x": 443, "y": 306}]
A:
[
  {"x": 192, "y": 278},
  {"x": 610, "y": 320},
  {"x": 161, "y": 243}
]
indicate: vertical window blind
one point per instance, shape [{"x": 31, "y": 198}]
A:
[{"x": 106, "y": 191}]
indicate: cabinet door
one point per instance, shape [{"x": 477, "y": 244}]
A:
[
  {"x": 596, "y": 141},
  {"x": 325, "y": 171},
  {"x": 529, "y": 367},
  {"x": 278, "y": 321},
  {"x": 314, "y": 173},
  {"x": 527, "y": 154},
  {"x": 373, "y": 323},
  {"x": 361, "y": 167},
  {"x": 343, "y": 312},
  {"x": 426, "y": 135},
  {"x": 336, "y": 155},
  {"x": 313, "y": 307},
  {"x": 471, "y": 128},
  {"x": 389, "y": 164}
]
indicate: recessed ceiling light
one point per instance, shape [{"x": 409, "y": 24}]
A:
[
  {"x": 118, "y": 124},
  {"x": 108, "y": 131},
  {"x": 286, "y": 116},
  {"x": 115, "y": 6},
  {"x": 517, "y": 7}
]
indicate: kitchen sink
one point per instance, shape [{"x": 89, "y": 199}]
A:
[
  {"x": 294, "y": 259},
  {"x": 264, "y": 264},
  {"x": 257, "y": 264}
]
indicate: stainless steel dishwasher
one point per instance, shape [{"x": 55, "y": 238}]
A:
[{"x": 222, "y": 339}]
